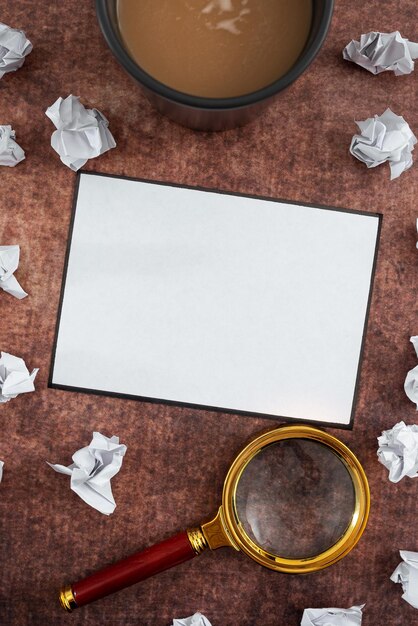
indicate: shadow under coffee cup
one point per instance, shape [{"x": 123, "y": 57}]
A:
[{"x": 195, "y": 107}]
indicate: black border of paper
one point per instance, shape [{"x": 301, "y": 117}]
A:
[{"x": 53, "y": 385}]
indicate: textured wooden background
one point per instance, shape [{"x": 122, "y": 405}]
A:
[{"x": 176, "y": 460}]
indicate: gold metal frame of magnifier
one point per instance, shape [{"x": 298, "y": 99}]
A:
[{"x": 226, "y": 529}]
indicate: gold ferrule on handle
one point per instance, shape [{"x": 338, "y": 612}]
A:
[
  {"x": 67, "y": 599},
  {"x": 197, "y": 540}
]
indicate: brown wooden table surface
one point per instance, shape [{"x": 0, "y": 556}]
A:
[{"x": 177, "y": 458}]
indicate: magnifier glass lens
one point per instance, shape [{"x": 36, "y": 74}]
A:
[{"x": 295, "y": 498}]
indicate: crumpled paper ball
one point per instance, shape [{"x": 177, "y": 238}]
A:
[
  {"x": 81, "y": 133},
  {"x": 92, "y": 469},
  {"x": 333, "y": 617},
  {"x": 407, "y": 575},
  {"x": 382, "y": 52},
  {"x": 411, "y": 380},
  {"x": 10, "y": 152},
  {"x": 14, "y": 47},
  {"x": 14, "y": 377},
  {"x": 398, "y": 451},
  {"x": 385, "y": 137},
  {"x": 9, "y": 262},
  {"x": 195, "y": 620}
]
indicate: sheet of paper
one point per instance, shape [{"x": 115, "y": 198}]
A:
[
  {"x": 1, "y": 470},
  {"x": 215, "y": 300},
  {"x": 92, "y": 469}
]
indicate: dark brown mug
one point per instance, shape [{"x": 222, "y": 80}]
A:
[{"x": 212, "y": 113}]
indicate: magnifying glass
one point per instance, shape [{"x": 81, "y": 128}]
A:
[{"x": 295, "y": 500}]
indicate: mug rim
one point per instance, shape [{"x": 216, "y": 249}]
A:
[{"x": 203, "y": 103}]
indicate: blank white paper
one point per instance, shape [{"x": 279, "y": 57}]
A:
[{"x": 212, "y": 299}]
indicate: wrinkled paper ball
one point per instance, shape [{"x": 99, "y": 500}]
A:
[
  {"x": 92, "y": 469},
  {"x": 14, "y": 377},
  {"x": 333, "y": 617},
  {"x": 411, "y": 380},
  {"x": 198, "y": 619},
  {"x": 407, "y": 575},
  {"x": 81, "y": 133},
  {"x": 382, "y": 138},
  {"x": 14, "y": 47},
  {"x": 383, "y": 52},
  {"x": 9, "y": 262},
  {"x": 398, "y": 451},
  {"x": 10, "y": 152}
]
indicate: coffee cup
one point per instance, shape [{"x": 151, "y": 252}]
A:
[{"x": 205, "y": 112}]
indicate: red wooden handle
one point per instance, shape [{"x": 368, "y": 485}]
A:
[{"x": 131, "y": 570}]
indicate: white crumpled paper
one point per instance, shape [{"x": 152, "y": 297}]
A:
[
  {"x": 407, "y": 574},
  {"x": 411, "y": 380},
  {"x": 398, "y": 451},
  {"x": 9, "y": 262},
  {"x": 385, "y": 137},
  {"x": 14, "y": 377},
  {"x": 383, "y": 52},
  {"x": 14, "y": 47},
  {"x": 195, "y": 620},
  {"x": 92, "y": 470},
  {"x": 81, "y": 133},
  {"x": 10, "y": 152},
  {"x": 332, "y": 617}
]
